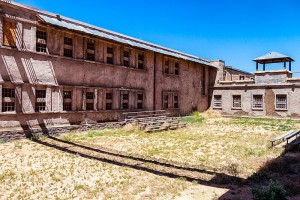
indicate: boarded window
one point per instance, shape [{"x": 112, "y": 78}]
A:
[
  {"x": 170, "y": 100},
  {"x": 281, "y": 101},
  {"x": 126, "y": 58},
  {"x": 257, "y": 101},
  {"x": 217, "y": 101},
  {"x": 176, "y": 68},
  {"x": 141, "y": 59},
  {"x": 236, "y": 101},
  {"x": 175, "y": 100},
  {"x": 41, "y": 41},
  {"x": 9, "y": 33}
]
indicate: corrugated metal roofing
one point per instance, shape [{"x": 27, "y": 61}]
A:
[
  {"x": 272, "y": 55},
  {"x": 239, "y": 70},
  {"x": 68, "y": 24}
]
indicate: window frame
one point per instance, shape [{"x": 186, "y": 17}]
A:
[
  {"x": 233, "y": 107},
  {"x": 9, "y": 37},
  {"x": 217, "y": 104},
  {"x": 262, "y": 102},
  {"x": 276, "y": 102},
  {"x": 41, "y": 40},
  {"x": 8, "y": 101}
]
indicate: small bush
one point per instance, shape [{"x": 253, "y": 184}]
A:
[
  {"x": 233, "y": 169},
  {"x": 131, "y": 127},
  {"x": 274, "y": 191},
  {"x": 211, "y": 114}
]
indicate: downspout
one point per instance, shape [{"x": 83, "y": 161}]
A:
[{"x": 154, "y": 82}]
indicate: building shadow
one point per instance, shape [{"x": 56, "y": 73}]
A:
[{"x": 277, "y": 169}]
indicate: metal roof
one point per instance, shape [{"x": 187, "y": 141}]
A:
[
  {"x": 70, "y": 24},
  {"x": 273, "y": 57},
  {"x": 239, "y": 70}
]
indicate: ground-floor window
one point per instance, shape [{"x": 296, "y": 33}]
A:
[
  {"x": 170, "y": 100},
  {"x": 236, "y": 101},
  {"x": 257, "y": 101},
  {"x": 281, "y": 101},
  {"x": 8, "y": 99},
  {"x": 217, "y": 101}
]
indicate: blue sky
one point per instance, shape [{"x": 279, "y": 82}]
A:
[{"x": 236, "y": 31}]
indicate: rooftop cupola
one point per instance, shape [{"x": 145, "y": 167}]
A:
[{"x": 274, "y": 57}]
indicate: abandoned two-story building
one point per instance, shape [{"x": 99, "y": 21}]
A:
[{"x": 56, "y": 70}]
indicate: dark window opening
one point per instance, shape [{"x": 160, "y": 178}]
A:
[
  {"x": 91, "y": 46},
  {"x": 110, "y": 50},
  {"x": 67, "y": 106},
  {"x": 41, "y": 48},
  {"x": 68, "y": 53},
  {"x": 109, "y": 96},
  {"x": 90, "y": 56},
  {"x": 40, "y": 93},
  {"x": 40, "y": 106},
  {"x": 89, "y": 95},
  {"x": 8, "y": 106},
  {"x": 68, "y": 41},
  {"x": 89, "y": 106},
  {"x": 176, "y": 68},
  {"x": 41, "y": 35},
  {"x": 108, "y": 106},
  {"x": 110, "y": 60},
  {"x": 126, "y": 63},
  {"x": 126, "y": 54},
  {"x": 67, "y": 94},
  {"x": 8, "y": 92}
]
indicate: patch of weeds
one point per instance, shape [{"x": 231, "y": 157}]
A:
[
  {"x": 274, "y": 191},
  {"x": 80, "y": 187},
  {"x": 193, "y": 119},
  {"x": 38, "y": 137},
  {"x": 18, "y": 145},
  {"x": 233, "y": 169}
]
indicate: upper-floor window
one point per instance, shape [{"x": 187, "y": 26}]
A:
[
  {"x": 176, "y": 68},
  {"x": 257, "y": 101},
  {"x": 8, "y": 99},
  {"x": 217, "y": 101},
  {"x": 242, "y": 77},
  {"x": 126, "y": 58},
  {"x": 9, "y": 33},
  {"x": 171, "y": 66},
  {"x": 68, "y": 47},
  {"x": 141, "y": 61},
  {"x": 236, "y": 101},
  {"x": 110, "y": 55},
  {"x": 281, "y": 101},
  {"x": 41, "y": 41},
  {"x": 166, "y": 66},
  {"x": 90, "y": 50}
]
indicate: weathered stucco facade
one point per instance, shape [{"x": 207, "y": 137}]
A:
[{"x": 60, "y": 75}]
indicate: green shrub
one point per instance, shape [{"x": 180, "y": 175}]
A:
[{"x": 274, "y": 191}]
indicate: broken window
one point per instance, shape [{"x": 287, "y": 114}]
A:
[
  {"x": 257, "y": 101},
  {"x": 90, "y": 50},
  {"x": 110, "y": 55},
  {"x": 8, "y": 99},
  {"x": 124, "y": 100},
  {"x": 166, "y": 66},
  {"x": 176, "y": 68},
  {"x": 40, "y": 104},
  {"x": 281, "y": 101},
  {"x": 141, "y": 61},
  {"x": 41, "y": 41},
  {"x": 126, "y": 58},
  {"x": 68, "y": 47},
  {"x": 165, "y": 100},
  {"x": 242, "y": 77},
  {"x": 236, "y": 101},
  {"x": 109, "y": 100},
  {"x": 9, "y": 33},
  {"x": 140, "y": 100},
  {"x": 217, "y": 101},
  {"x": 67, "y": 101}
]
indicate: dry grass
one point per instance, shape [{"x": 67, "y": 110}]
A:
[{"x": 235, "y": 146}]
